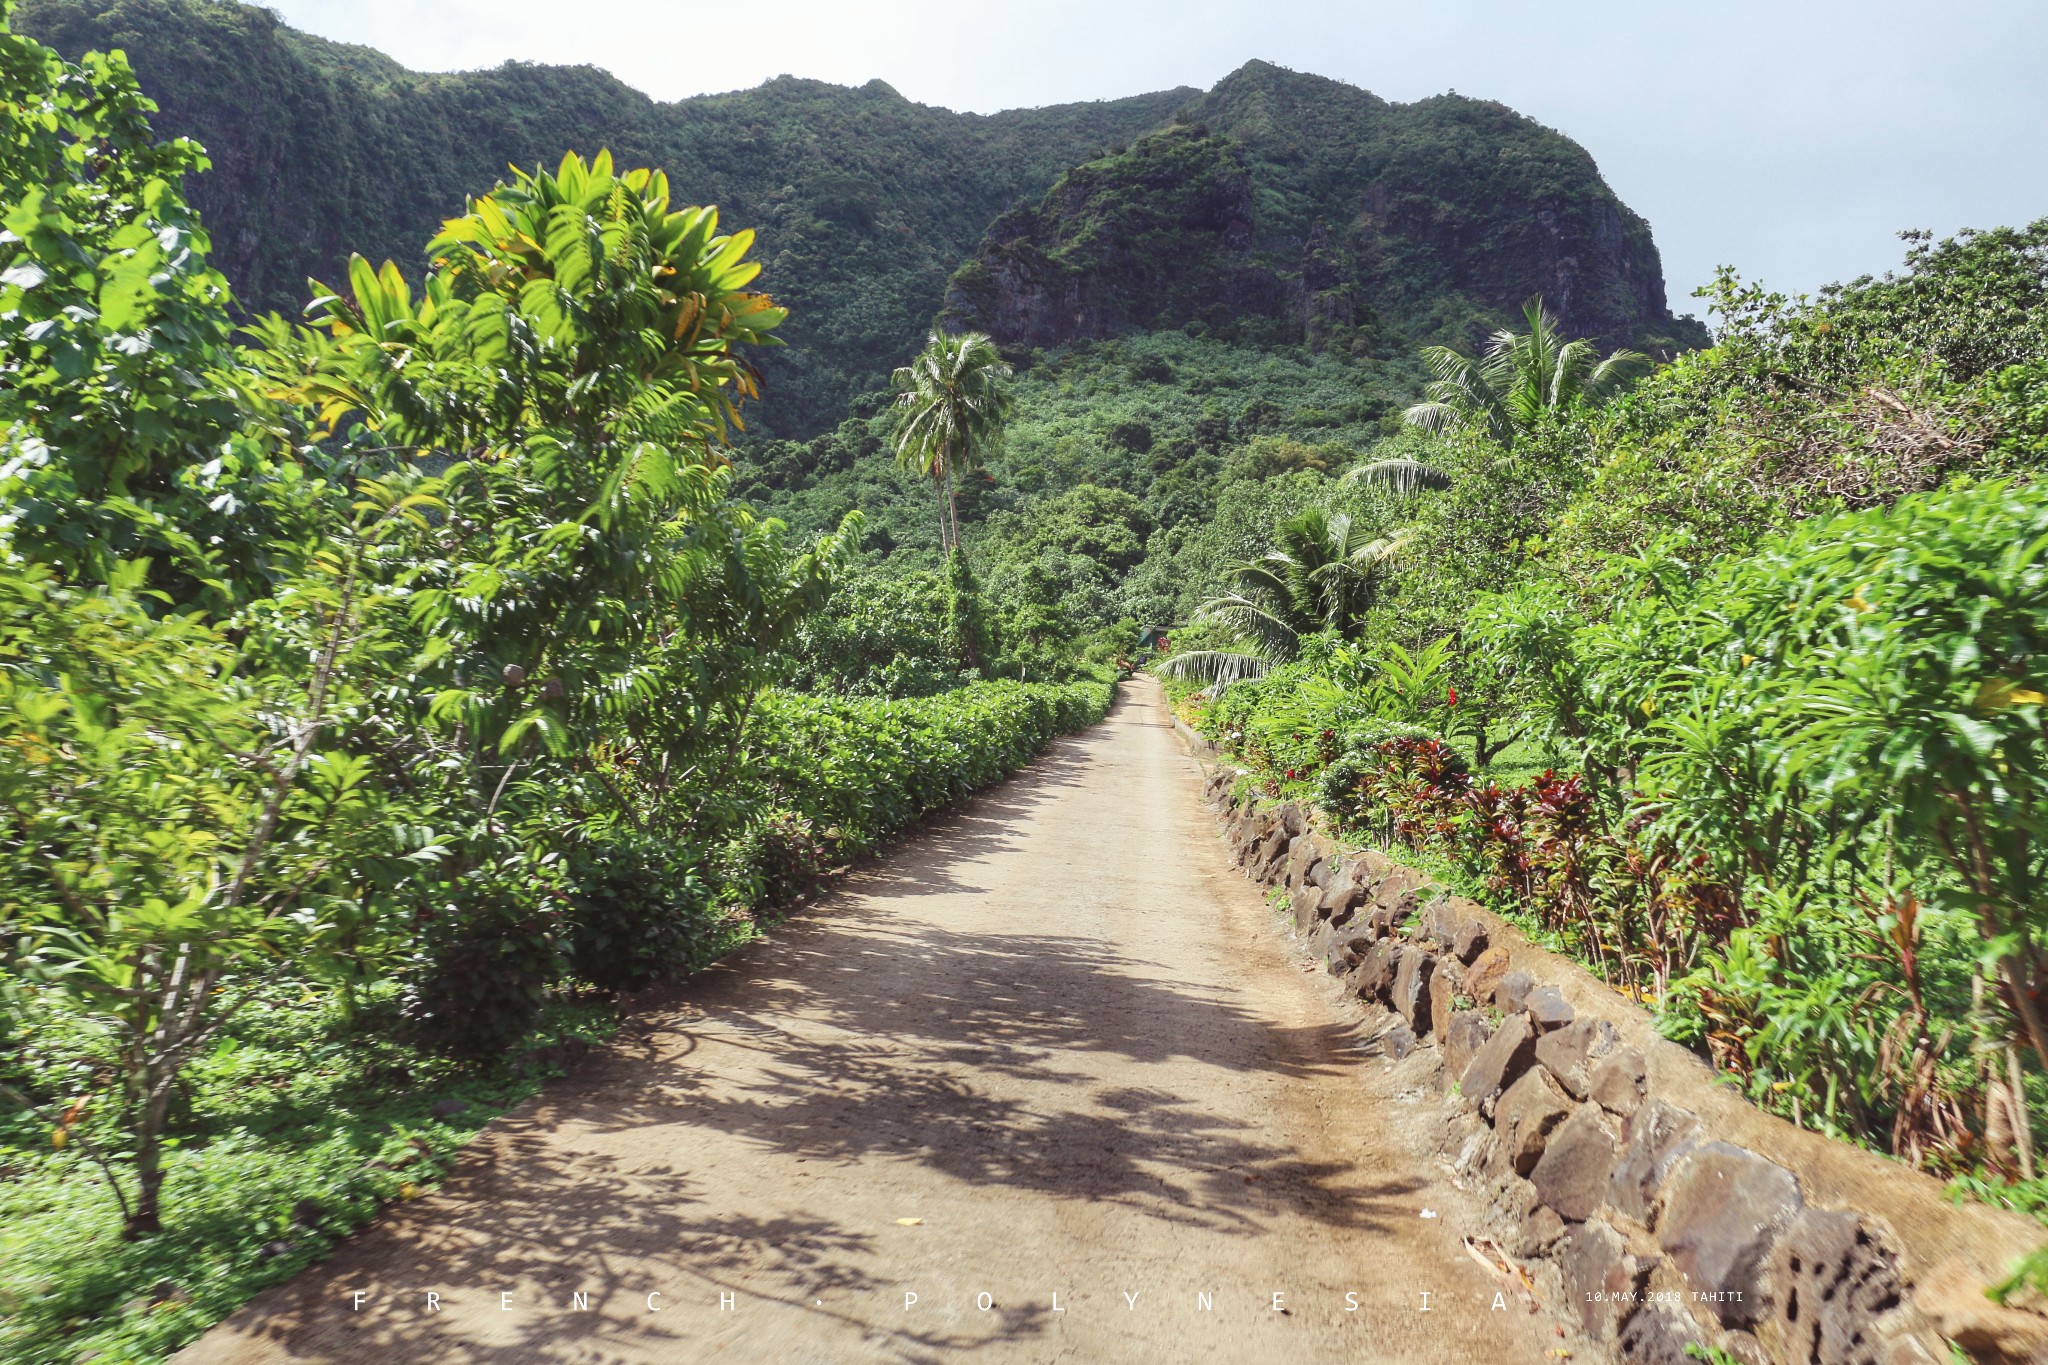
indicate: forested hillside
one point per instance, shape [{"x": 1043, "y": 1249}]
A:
[
  {"x": 1363, "y": 225},
  {"x": 865, "y": 201}
]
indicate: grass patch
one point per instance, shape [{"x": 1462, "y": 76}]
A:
[{"x": 299, "y": 1125}]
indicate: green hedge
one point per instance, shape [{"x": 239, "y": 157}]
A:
[{"x": 872, "y": 767}]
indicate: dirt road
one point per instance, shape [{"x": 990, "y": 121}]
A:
[{"x": 1045, "y": 1084}]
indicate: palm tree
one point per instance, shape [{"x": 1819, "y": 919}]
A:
[
  {"x": 1323, "y": 575},
  {"x": 1522, "y": 376},
  {"x": 951, "y": 404}
]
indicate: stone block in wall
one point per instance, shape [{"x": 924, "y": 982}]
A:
[
  {"x": 1390, "y": 916},
  {"x": 1744, "y": 1349},
  {"x": 1269, "y": 856},
  {"x": 1304, "y": 906},
  {"x": 1470, "y": 940},
  {"x": 1339, "y": 901},
  {"x": 1953, "y": 1299},
  {"x": 1463, "y": 1035},
  {"x": 1438, "y": 922},
  {"x": 1411, "y": 986},
  {"x": 1908, "y": 1351},
  {"x": 1344, "y": 952},
  {"x": 1304, "y": 855},
  {"x": 1525, "y": 1115},
  {"x": 1500, "y": 1063},
  {"x": 1577, "y": 1162},
  {"x": 1571, "y": 1052},
  {"x": 1367, "y": 869},
  {"x": 1399, "y": 882},
  {"x": 1547, "y": 1008},
  {"x": 1619, "y": 1081},
  {"x": 1601, "y": 1279},
  {"x": 1724, "y": 1209},
  {"x": 1446, "y": 988},
  {"x": 1513, "y": 991},
  {"x": 1397, "y": 1042},
  {"x": 1484, "y": 975},
  {"x": 1832, "y": 1278},
  {"x": 1258, "y": 843},
  {"x": 1537, "y": 1234},
  {"x": 1657, "y": 1334},
  {"x": 1328, "y": 870},
  {"x": 1293, "y": 818},
  {"x": 1654, "y": 1138},
  {"x": 1380, "y": 960}
]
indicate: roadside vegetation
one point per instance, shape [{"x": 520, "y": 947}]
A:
[
  {"x": 389, "y": 691},
  {"x": 384, "y": 695},
  {"x": 1729, "y": 683}
]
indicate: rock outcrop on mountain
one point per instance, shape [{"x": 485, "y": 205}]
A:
[{"x": 1286, "y": 207}]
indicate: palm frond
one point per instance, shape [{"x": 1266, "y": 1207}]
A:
[
  {"x": 1433, "y": 417},
  {"x": 1404, "y": 477},
  {"x": 1619, "y": 366},
  {"x": 1215, "y": 669},
  {"x": 1263, "y": 627},
  {"x": 1446, "y": 364}
]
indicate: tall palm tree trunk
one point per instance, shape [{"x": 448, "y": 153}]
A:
[{"x": 953, "y": 506}]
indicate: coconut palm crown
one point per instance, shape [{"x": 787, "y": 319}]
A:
[
  {"x": 1324, "y": 574},
  {"x": 1520, "y": 377},
  {"x": 952, "y": 402}
]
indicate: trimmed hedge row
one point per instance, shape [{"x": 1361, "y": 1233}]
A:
[{"x": 872, "y": 767}]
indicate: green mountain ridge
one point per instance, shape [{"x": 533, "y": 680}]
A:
[
  {"x": 865, "y": 202},
  {"x": 1368, "y": 224}
]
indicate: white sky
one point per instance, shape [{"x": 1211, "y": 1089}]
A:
[{"x": 1790, "y": 138}]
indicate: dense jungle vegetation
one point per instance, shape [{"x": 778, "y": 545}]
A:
[
  {"x": 1729, "y": 683},
  {"x": 382, "y": 696}
]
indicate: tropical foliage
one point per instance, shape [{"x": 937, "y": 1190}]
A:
[
  {"x": 1733, "y": 689},
  {"x": 406, "y": 673},
  {"x": 1521, "y": 378},
  {"x": 1322, "y": 575}
]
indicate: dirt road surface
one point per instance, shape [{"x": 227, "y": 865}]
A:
[{"x": 1047, "y": 1083}]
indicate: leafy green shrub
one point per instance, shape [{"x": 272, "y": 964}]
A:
[
  {"x": 486, "y": 960},
  {"x": 778, "y": 858},
  {"x": 636, "y": 909},
  {"x": 1350, "y": 785},
  {"x": 1844, "y": 728}
]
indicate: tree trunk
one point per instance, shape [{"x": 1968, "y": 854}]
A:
[
  {"x": 147, "y": 1218},
  {"x": 2022, "y": 1124},
  {"x": 953, "y": 506},
  {"x": 2019, "y": 979}
]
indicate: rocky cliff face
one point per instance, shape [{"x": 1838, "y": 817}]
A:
[
  {"x": 1149, "y": 238},
  {"x": 1289, "y": 207}
]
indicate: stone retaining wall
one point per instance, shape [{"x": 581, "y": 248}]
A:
[{"x": 1646, "y": 1199}]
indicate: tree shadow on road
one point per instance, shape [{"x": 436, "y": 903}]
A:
[{"x": 858, "y": 1033}]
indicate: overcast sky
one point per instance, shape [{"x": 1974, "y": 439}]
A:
[{"x": 1790, "y": 138}]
